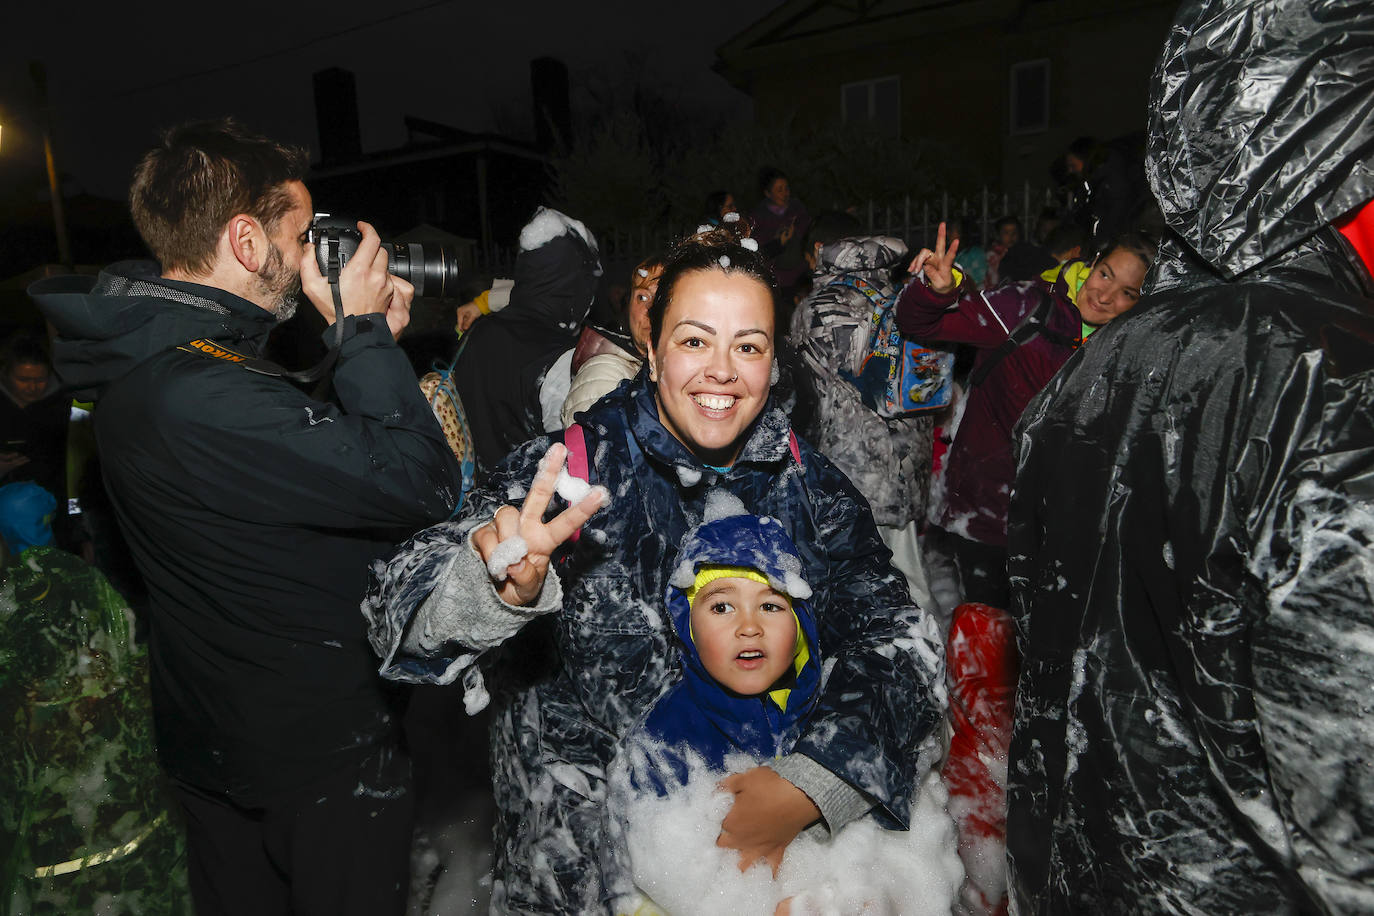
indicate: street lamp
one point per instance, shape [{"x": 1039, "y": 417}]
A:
[{"x": 59, "y": 218}]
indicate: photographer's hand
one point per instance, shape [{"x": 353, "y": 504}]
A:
[
  {"x": 525, "y": 578},
  {"x": 364, "y": 284}
]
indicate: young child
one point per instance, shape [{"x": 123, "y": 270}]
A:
[{"x": 751, "y": 674}]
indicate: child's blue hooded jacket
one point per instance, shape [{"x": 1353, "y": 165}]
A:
[{"x": 697, "y": 714}]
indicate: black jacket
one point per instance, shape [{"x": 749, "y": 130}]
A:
[
  {"x": 507, "y": 355},
  {"x": 252, "y": 512},
  {"x": 1190, "y": 533}
]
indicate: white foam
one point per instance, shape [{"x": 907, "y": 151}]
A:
[
  {"x": 864, "y": 868},
  {"x": 571, "y": 488},
  {"x": 505, "y": 555},
  {"x": 547, "y": 225}
]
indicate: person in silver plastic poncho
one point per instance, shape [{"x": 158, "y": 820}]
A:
[{"x": 1190, "y": 538}]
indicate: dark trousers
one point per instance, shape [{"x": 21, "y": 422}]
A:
[
  {"x": 338, "y": 846},
  {"x": 982, "y": 568}
]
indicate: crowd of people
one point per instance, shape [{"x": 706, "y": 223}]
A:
[{"x": 817, "y": 572}]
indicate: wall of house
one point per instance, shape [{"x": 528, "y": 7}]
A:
[{"x": 954, "y": 61}]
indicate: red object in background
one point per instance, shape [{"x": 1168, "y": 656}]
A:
[
  {"x": 589, "y": 343},
  {"x": 1358, "y": 228},
  {"x": 982, "y": 667}
]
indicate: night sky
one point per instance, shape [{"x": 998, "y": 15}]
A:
[{"x": 119, "y": 72}]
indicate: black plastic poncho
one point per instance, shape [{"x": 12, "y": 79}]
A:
[{"x": 1191, "y": 531}]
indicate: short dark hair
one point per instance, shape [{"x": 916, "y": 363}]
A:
[
  {"x": 200, "y": 175},
  {"x": 1007, "y": 220},
  {"x": 1137, "y": 243},
  {"x": 767, "y": 175},
  {"x": 653, "y": 259},
  {"x": 714, "y": 201},
  {"x": 1089, "y": 149},
  {"x": 24, "y": 347},
  {"x": 717, "y": 249},
  {"x": 1066, "y": 236},
  {"x": 831, "y": 226}
]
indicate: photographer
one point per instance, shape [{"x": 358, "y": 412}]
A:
[{"x": 253, "y": 512}]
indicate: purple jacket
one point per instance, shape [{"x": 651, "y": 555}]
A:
[
  {"x": 788, "y": 265},
  {"x": 980, "y": 465}
]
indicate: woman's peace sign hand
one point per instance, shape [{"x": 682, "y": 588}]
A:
[
  {"x": 938, "y": 264},
  {"x": 523, "y": 542}
]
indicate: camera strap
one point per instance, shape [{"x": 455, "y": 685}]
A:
[{"x": 207, "y": 348}]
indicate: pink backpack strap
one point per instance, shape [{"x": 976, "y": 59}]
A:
[
  {"x": 576, "y": 441},
  {"x": 791, "y": 444}
]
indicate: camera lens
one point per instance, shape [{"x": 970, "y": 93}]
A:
[{"x": 431, "y": 268}]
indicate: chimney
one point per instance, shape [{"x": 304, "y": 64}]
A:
[
  {"x": 552, "y": 110},
  {"x": 336, "y": 116}
]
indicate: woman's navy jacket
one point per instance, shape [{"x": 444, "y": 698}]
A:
[{"x": 570, "y": 686}]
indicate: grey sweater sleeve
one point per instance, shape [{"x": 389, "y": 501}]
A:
[
  {"x": 839, "y": 802},
  {"x": 464, "y": 607}
]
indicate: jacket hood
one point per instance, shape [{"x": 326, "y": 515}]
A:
[
  {"x": 108, "y": 325},
  {"x": 861, "y": 254},
  {"x": 1261, "y": 125},
  {"x": 556, "y": 275},
  {"x": 700, "y": 714}
]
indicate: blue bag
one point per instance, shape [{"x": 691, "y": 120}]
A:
[{"x": 899, "y": 377}]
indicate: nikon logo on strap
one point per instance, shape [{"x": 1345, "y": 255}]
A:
[{"x": 213, "y": 349}]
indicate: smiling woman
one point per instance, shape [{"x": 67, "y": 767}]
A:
[
  {"x": 1023, "y": 332},
  {"x": 711, "y": 351},
  {"x": 698, "y": 420}
]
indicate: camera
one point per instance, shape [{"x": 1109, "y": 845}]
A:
[{"x": 430, "y": 267}]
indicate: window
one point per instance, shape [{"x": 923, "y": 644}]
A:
[
  {"x": 873, "y": 103},
  {"x": 1030, "y": 96}
]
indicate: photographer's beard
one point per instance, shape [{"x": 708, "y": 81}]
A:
[{"x": 279, "y": 285}]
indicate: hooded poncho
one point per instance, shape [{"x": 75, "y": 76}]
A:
[{"x": 1189, "y": 537}]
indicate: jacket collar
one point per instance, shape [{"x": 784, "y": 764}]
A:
[{"x": 107, "y": 326}]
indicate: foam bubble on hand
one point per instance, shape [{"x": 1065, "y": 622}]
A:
[
  {"x": 571, "y": 488},
  {"x": 505, "y": 555},
  {"x": 548, "y": 462}
]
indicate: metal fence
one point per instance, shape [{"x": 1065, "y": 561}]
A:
[
  {"x": 910, "y": 218},
  {"x": 916, "y": 220}
]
